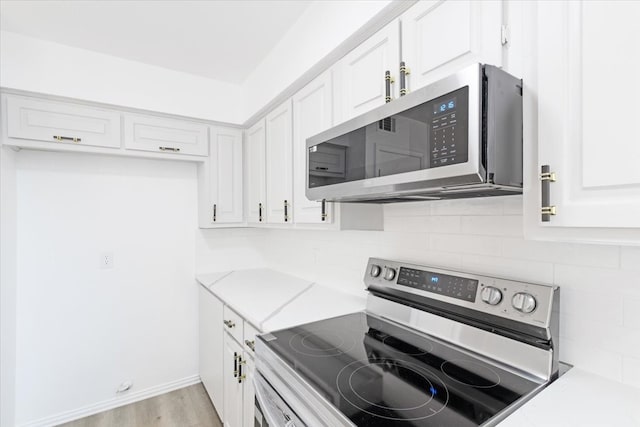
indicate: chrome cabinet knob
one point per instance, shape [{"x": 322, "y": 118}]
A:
[
  {"x": 491, "y": 295},
  {"x": 524, "y": 302},
  {"x": 375, "y": 270},
  {"x": 389, "y": 273}
]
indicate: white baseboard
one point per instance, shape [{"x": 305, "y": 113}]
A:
[{"x": 115, "y": 402}]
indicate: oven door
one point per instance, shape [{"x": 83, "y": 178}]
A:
[{"x": 271, "y": 410}]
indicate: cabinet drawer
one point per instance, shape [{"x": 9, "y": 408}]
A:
[
  {"x": 60, "y": 122},
  {"x": 165, "y": 135},
  {"x": 234, "y": 324},
  {"x": 249, "y": 342}
]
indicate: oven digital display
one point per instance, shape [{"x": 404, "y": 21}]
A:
[{"x": 438, "y": 283}]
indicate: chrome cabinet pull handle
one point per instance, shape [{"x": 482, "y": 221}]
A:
[
  {"x": 546, "y": 178},
  {"x": 215, "y": 208},
  {"x": 61, "y": 138},
  {"x": 250, "y": 344},
  {"x": 175, "y": 150},
  {"x": 323, "y": 212},
  {"x": 286, "y": 211},
  {"x": 404, "y": 71},
  {"x": 235, "y": 364},
  {"x": 387, "y": 85},
  {"x": 240, "y": 376},
  {"x": 260, "y": 212},
  {"x": 229, "y": 323}
]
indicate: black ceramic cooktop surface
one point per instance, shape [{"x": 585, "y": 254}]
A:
[{"x": 380, "y": 374}]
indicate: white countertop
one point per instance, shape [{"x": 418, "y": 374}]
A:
[
  {"x": 254, "y": 294},
  {"x": 580, "y": 398},
  {"x": 317, "y": 302}
]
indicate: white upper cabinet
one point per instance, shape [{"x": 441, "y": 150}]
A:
[
  {"x": 225, "y": 176},
  {"x": 360, "y": 75},
  {"x": 165, "y": 135},
  {"x": 440, "y": 37},
  {"x": 61, "y": 122},
  {"x": 256, "y": 188},
  {"x": 279, "y": 157},
  {"x": 312, "y": 114},
  {"x": 581, "y": 92}
]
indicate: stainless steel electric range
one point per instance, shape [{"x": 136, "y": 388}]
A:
[{"x": 433, "y": 348}]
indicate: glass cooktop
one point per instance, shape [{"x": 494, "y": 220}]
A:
[{"x": 379, "y": 374}]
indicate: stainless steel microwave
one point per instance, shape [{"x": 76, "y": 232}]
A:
[{"x": 458, "y": 137}]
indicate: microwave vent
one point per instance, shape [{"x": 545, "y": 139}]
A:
[{"x": 387, "y": 124}]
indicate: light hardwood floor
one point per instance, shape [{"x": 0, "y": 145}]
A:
[{"x": 186, "y": 407}]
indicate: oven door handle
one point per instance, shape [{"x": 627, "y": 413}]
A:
[{"x": 268, "y": 407}]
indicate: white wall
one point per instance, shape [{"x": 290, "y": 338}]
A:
[
  {"x": 322, "y": 27},
  {"x": 51, "y": 68},
  {"x": 82, "y": 330},
  {"x": 8, "y": 281},
  {"x": 600, "y": 291}
]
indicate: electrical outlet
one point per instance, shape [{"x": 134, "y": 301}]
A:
[
  {"x": 106, "y": 260},
  {"x": 125, "y": 386}
]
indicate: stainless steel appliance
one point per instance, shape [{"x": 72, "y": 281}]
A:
[
  {"x": 433, "y": 348},
  {"x": 458, "y": 137}
]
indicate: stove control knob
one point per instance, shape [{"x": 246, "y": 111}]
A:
[
  {"x": 491, "y": 295},
  {"x": 524, "y": 302},
  {"x": 389, "y": 273},
  {"x": 375, "y": 270}
]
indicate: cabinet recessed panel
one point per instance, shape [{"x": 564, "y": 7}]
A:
[
  {"x": 610, "y": 98},
  {"x": 443, "y": 34},
  {"x": 367, "y": 80},
  {"x": 58, "y": 122}
]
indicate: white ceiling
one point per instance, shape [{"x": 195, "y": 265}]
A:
[{"x": 223, "y": 40}]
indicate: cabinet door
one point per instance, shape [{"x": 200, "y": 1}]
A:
[
  {"x": 580, "y": 112},
  {"x": 232, "y": 384},
  {"x": 211, "y": 347},
  {"x": 225, "y": 174},
  {"x": 248, "y": 393},
  {"x": 279, "y": 165},
  {"x": 312, "y": 114},
  {"x": 440, "y": 37},
  {"x": 159, "y": 134},
  {"x": 360, "y": 75},
  {"x": 256, "y": 189},
  {"x": 61, "y": 122}
]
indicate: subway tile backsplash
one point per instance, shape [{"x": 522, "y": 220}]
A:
[{"x": 600, "y": 296}]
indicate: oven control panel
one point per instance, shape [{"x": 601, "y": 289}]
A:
[{"x": 521, "y": 301}]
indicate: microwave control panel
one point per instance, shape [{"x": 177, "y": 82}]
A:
[{"x": 448, "y": 133}]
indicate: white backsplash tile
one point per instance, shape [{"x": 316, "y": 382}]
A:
[
  {"x": 630, "y": 258},
  {"x": 631, "y": 371},
  {"x": 600, "y": 290}
]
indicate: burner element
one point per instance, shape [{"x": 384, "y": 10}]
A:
[
  {"x": 399, "y": 343},
  {"x": 320, "y": 343},
  {"x": 360, "y": 383},
  {"x": 470, "y": 373}
]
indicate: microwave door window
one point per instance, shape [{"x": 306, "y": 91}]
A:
[{"x": 432, "y": 134}]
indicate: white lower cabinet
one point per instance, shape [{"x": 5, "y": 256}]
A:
[
  {"x": 211, "y": 347},
  {"x": 164, "y": 135},
  {"x": 248, "y": 394},
  {"x": 227, "y": 343},
  {"x": 233, "y": 383}
]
